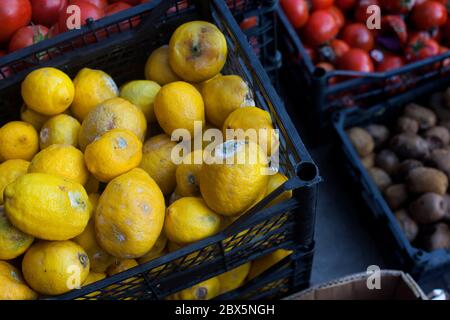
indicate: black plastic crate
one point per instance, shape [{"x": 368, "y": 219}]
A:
[
  {"x": 262, "y": 35},
  {"x": 321, "y": 99},
  {"x": 288, "y": 276},
  {"x": 258, "y": 232},
  {"x": 430, "y": 269}
]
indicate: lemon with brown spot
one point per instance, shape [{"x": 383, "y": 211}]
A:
[
  {"x": 233, "y": 176},
  {"x": 48, "y": 91},
  {"x": 60, "y": 129},
  {"x": 157, "y": 67},
  {"x": 18, "y": 140},
  {"x": 27, "y": 206},
  {"x": 55, "y": 267},
  {"x": 205, "y": 290},
  {"x": 99, "y": 259},
  {"x": 189, "y": 220},
  {"x": 178, "y": 105},
  {"x": 234, "y": 278},
  {"x": 276, "y": 180},
  {"x": 130, "y": 215},
  {"x": 10, "y": 170},
  {"x": 12, "y": 284},
  {"x": 116, "y": 152},
  {"x": 257, "y": 123},
  {"x": 92, "y": 87},
  {"x": 121, "y": 265},
  {"x": 224, "y": 94},
  {"x": 262, "y": 264},
  {"x": 116, "y": 113},
  {"x": 13, "y": 242},
  {"x": 93, "y": 277},
  {"x": 188, "y": 174},
  {"x": 142, "y": 94},
  {"x": 197, "y": 51},
  {"x": 32, "y": 117},
  {"x": 157, "y": 162},
  {"x": 65, "y": 161}
]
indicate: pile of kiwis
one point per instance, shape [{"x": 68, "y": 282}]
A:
[{"x": 410, "y": 164}]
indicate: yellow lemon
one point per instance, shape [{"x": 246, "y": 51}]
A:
[
  {"x": 92, "y": 87},
  {"x": 121, "y": 265},
  {"x": 274, "y": 182},
  {"x": 13, "y": 242},
  {"x": 116, "y": 113},
  {"x": 27, "y": 206},
  {"x": 262, "y": 264},
  {"x": 157, "y": 162},
  {"x": 130, "y": 215},
  {"x": 205, "y": 290},
  {"x": 233, "y": 176},
  {"x": 92, "y": 184},
  {"x": 65, "y": 161},
  {"x": 99, "y": 259},
  {"x": 48, "y": 91},
  {"x": 189, "y": 219},
  {"x": 234, "y": 278},
  {"x": 197, "y": 51},
  {"x": 224, "y": 94},
  {"x": 93, "y": 277},
  {"x": 157, "y": 250},
  {"x": 10, "y": 170},
  {"x": 178, "y": 105},
  {"x": 32, "y": 117},
  {"x": 55, "y": 267},
  {"x": 18, "y": 140},
  {"x": 60, "y": 129},
  {"x": 142, "y": 94},
  {"x": 256, "y": 124},
  {"x": 116, "y": 152},
  {"x": 12, "y": 284},
  {"x": 158, "y": 68},
  {"x": 187, "y": 174}
]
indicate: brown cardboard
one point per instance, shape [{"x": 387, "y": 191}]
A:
[{"x": 395, "y": 285}]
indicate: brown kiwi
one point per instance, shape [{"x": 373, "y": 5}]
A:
[
  {"x": 428, "y": 208},
  {"x": 424, "y": 179},
  {"x": 408, "y": 225},
  {"x": 361, "y": 140},
  {"x": 380, "y": 177},
  {"x": 426, "y": 117}
]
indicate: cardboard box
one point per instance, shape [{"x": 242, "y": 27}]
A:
[{"x": 394, "y": 285}]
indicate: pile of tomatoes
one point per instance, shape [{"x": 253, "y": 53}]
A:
[
  {"x": 26, "y": 22},
  {"x": 336, "y": 35}
]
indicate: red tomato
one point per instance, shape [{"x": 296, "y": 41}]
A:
[
  {"x": 14, "y": 14},
  {"x": 27, "y": 36},
  {"x": 130, "y": 2},
  {"x": 297, "y": 11},
  {"x": 321, "y": 4},
  {"x": 397, "y": 6},
  {"x": 358, "y": 36},
  {"x": 394, "y": 25},
  {"x": 345, "y": 5},
  {"x": 429, "y": 14},
  {"x": 356, "y": 60},
  {"x": 420, "y": 46},
  {"x": 249, "y": 22},
  {"x": 46, "y": 12},
  {"x": 390, "y": 62},
  {"x": 361, "y": 10},
  {"x": 116, "y": 7},
  {"x": 321, "y": 27},
  {"x": 339, "y": 48},
  {"x": 337, "y": 15},
  {"x": 87, "y": 11},
  {"x": 101, "y": 4}
]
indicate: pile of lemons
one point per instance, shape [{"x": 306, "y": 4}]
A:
[{"x": 59, "y": 230}]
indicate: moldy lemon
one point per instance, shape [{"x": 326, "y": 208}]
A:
[
  {"x": 60, "y": 129},
  {"x": 13, "y": 242}
]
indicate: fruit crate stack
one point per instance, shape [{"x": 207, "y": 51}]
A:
[{"x": 270, "y": 244}]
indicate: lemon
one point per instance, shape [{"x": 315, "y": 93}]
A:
[
  {"x": 92, "y": 87},
  {"x": 205, "y": 290},
  {"x": 259, "y": 124},
  {"x": 116, "y": 152},
  {"x": 142, "y": 94},
  {"x": 32, "y": 117},
  {"x": 93, "y": 277},
  {"x": 234, "y": 278},
  {"x": 18, "y": 140},
  {"x": 13, "y": 242},
  {"x": 262, "y": 264},
  {"x": 158, "y": 68},
  {"x": 116, "y": 113},
  {"x": 189, "y": 219},
  {"x": 233, "y": 176},
  {"x": 121, "y": 265},
  {"x": 12, "y": 284},
  {"x": 274, "y": 182},
  {"x": 55, "y": 267},
  {"x": 187, "y": 174},
  {"x": 158, "y": 249},
  {"x": 224, "y": 94},
  {"x": 10, "y": 170},
  {"x": 63, "y": 160},
  {"x": 60, "y": 129}
]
